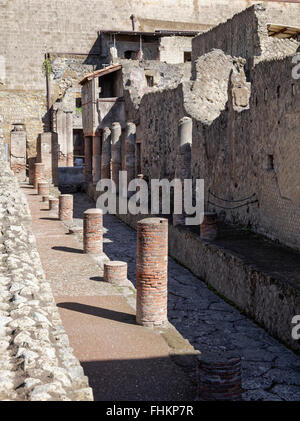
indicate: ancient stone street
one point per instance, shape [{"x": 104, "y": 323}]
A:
[
  {"x": 270, "y": 370},
  {"x": 123, "y": 361},
  {"x": 150, "y": 203}
]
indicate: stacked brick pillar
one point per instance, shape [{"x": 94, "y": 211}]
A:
[
  {"x": 61, "y": 132},
  {"x": 69, "y": 138},
  {"x": 65, "y": 211},
  {"x": 47, "y": 154},
  {"x": 129, "y": 151},
  {"x": 115, "y": 272},
  {"x": 106, "y": 154},
  {"x": 18, "y": 151},
  {"x": 43, "y": 188},
  {"x": 96, "y": 160},
  {"x": 92, "y": 231},
  {"x": 53, "y": 204},
  {"x": 183, "y": 161},
  {"x": 31, "y": 161},
  {"x": 39, "y": 170},
  {"x": 219, "y": 377},
  {"x": 152, "y": 272},
  {"x": 64, "y": 128},
  {"x": 116, "y": 162},
  {"x": 88, "y": 158}
]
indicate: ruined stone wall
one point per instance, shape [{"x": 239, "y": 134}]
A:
[
  {"x": 36, "y": 361},
  {"x": 172, "y": 49},
  {"x": 238, "y": 150},
  {"x": 31, "y": 28},
  {"x": 256, "y": 151},
  {"x": 150, "y": 49},
  {"x": 134, "y": 76},
  {"x": 244, "y": 137},
  {"x": 66, "y": 72},
  {"x": 159, "y": 114},
  {"x": 246, "y": 35}
]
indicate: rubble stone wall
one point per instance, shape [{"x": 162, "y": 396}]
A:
[
  {"x": 31, "y": 28},
  {"x": 36, "y": 360},
  {"x": 246, "y": 36},
  {"x": 245, "y": 135},
  {"x": 255, "y": 151}
]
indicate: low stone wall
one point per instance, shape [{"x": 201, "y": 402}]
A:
[
  {"x": 36, "y": 360},
  {"x": 269, "y": 301}
]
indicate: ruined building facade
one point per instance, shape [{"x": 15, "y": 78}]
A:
[
  {"x": 242, "y": 99},
  {"x": 69, "y": 32}
]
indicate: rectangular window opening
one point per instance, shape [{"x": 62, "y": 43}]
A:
[
  {"x": 270, "y": 162},
  {"x": 150, "y": 81},
  {"x": 187, "y": 56}
]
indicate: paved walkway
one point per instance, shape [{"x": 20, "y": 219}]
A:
[
  {"x": 123, "y": 361},
  {"x": 270, "y": 370}
]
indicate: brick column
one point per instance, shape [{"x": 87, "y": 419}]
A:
[
  {"x": 38, "y": 174},
  {"x": 93, "y": 231},
  {"x": 55, "y": 158},
  {"x": 219, "y": 377},
  {"x": 116, "y": 161},
  {"x": 106, "y": 153},
  {"x": 69, "y": 138},
  {"x": 130, "y": 142},
  {"x": 43, "y": 188},
  {"x": 183, "y": 160},
  {"x": 44, "y": 151},
  {"x": 65, "y": 211},
  {"x": 53, "y": 204},
  {"x": 31, "y": 161},
  {"x": 152, "y": 271},
  {"x": 61, "y": 133},
  {"x": 115, "y": 272},
  {"x": 96, "y": 159},
  {"x": 88, "y": 158},
  {"x": 18, "y": 151},
  {"x": 208, "y": 228}
]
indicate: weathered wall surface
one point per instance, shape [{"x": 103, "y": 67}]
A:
[
  {"x": 66, "y": 72},
  {"x": 31, "y": 28},
  {"x": 245, "y": 136},
  {"x": 239, "y": 152},
  {"x": 36, "y": 361},
  {"x": 246, "y": 35},
  {"x": 134, "y": 76},
  {"x": 172, "y": 49},
  {"x": 159, "y": 114},
  {"x": 256, "y": 151}
]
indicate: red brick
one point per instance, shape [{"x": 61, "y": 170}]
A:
[{"x": 152, "y": 272}]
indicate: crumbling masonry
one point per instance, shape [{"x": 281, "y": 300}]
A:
[{"x": 217, "y": 103}]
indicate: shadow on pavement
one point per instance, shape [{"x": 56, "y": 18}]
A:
[
  {"x": 148, "y": 379},
  {"x": 99, "y": 312},
  {"x": 67, "y": 249}
]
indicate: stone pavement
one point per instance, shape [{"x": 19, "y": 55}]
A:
[
  {"x": 270, "y": 370},
  {"x": 123, "y": 361}
]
